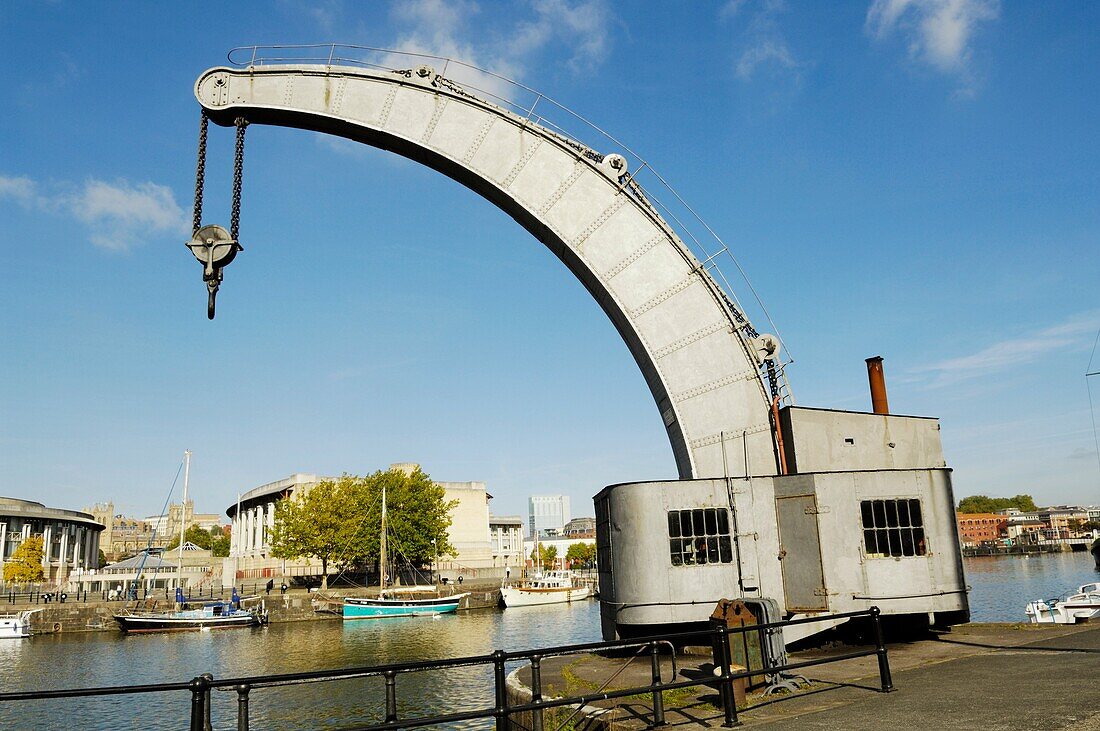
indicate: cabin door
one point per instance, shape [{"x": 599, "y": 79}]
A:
[{"x": 800, "y": 554}]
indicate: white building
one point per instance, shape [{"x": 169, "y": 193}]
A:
[
  {"x": 547, "y": 512},
  {"x": 70, "y": 539},
  {"x": 485, "y": 546},
  {"x": 506, "y": 537}
]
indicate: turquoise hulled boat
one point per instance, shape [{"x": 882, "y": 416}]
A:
[
  {"x": 390, "y": 603},
  {"x": 399, "y": 601}
]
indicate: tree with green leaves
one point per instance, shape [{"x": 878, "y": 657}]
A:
[
  {"x": 418, "y": 516},
  {"x": 194, "y": 534},
  {"x": 219, "y": 547},
  {"x": 319, "y": 522},
  {"x": 581, "y": 554},
  {"x": 545, "y": 556},
  {"x": 986, "y": 504},
  {"x": 340, "y": 521},
  {"x": 25, "y": 564}
]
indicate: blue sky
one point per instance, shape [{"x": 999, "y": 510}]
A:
[{"x": 911, "y": 178}]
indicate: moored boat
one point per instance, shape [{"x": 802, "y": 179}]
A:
[
  {"x": 404, "y": 601},
  {"x": 1078, "y": 607},
  {"x": 554, "y": 587},
  {"x": 17, "y": 625},
  {"x": 210, "y": 615},
  {"x": 391, "y": 603}
]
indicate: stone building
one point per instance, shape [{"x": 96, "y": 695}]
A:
[
  {"x": 506, "y": 539},
  {"x": 124, "y": 536},
  {"x": 580, "y": 528},
  {"x": 70, "y": 539},
  {"x": 485, "y": 545},
  {"x": 977, "y": 529}
]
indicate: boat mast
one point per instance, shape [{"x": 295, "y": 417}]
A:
[
  {"x": 382, "y": 561},
  {"x": 183, "y": 515}
]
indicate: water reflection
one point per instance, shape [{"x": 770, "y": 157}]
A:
[
  {"x": 101, "y": 658},
  {"x": 1000, "y": 587}
]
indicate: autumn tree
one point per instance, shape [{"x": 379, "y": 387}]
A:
[{"x": 25, "y": 564}]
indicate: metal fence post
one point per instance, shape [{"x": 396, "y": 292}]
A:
[
  {"x": 198, "y": 703},
  {"x": 725, "y": 682},
  {"x": 206, "y": 703},
  {"x": 391, "y": 696},
  {"x": 655, "y": 677},
  {"x": 536, "y": 692},
  {"x": 499, "y": 682},
  {"x": 242, "y": 707},
  {"x": 880, "y": 650}
]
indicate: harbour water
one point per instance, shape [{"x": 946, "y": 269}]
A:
[
  {"x": 1000, "y": 586},
  {"x": 108, "y": 658}
]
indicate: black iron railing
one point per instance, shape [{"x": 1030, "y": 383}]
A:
[{"x": 718, "y": 636}]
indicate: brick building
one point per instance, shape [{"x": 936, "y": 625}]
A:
[{"x": 976, "y": 529}]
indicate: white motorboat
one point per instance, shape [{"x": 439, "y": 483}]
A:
[
  {"x": 16, "y": 626},
  {"x": 555, "y": 587},
  {"x": 1078, "y": 607}
]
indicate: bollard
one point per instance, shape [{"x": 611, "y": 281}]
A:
[
  {"x": 242, "y": 707},
  {"x": 536, "y": 692},
  {"x": 880, "y": 650},
  {"x": 198, "y": 703},
  {"x": 391, "y": 696},
  {"x": 655, "y": 677},
  {"x": 501, "y": 710}
]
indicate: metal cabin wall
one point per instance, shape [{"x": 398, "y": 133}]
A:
[
  {"x": 648, "y": 590},
  {"x": 665, "y": 306}
]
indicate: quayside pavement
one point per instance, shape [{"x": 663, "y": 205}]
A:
[{"x": 980, "y": 676}]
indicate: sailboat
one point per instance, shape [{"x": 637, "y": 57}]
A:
[
  {"x": 217, "y": 614},
  {"x": 404, "y": 601}
]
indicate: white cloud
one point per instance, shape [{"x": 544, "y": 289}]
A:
[
  {"x": 1075, "y": 332},
  {"x": 584, "y": 25},
  {"x": 447, "y": 29},
  {"x": 21, "y": 190},
  {"x": 938, "y": 32},
  {"x": 118, "y": 215},
  {"x": 761, "y": 44},
  {"x": 765, "y": 50}
]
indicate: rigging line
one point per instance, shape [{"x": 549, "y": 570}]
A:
[
  {"x": 1092, "y": 415},
  {"x": 342, "y": 555},
  {"x": 1093, "y": 355},
  {"x": 153, "y": 535},
  {"x": 1088, "y": 388}
]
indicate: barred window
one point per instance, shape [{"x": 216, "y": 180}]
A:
[
  {"x": 699, "y": 536},
  {"x": 893, "y": 528}
]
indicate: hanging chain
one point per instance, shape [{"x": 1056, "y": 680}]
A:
[
  {"x": 215, "y": 251},
  {"x": 238, "y": 174},
  {"x": 200, "y": 175}
]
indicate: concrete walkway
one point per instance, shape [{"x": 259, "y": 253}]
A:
[{"x": 975, "y": 677}]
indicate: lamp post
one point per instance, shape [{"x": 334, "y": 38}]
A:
[{"x": 435, "y": 561}]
